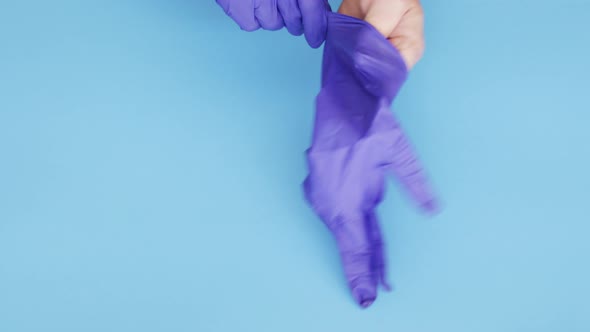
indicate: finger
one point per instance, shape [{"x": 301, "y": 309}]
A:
[
  {"x": 241, "y": 11},
  {"x": 379, "y": 265},
  {"x": 405, "y": 165},
  {"x": 408, "y": 36},
  {"x": 385, "y": 15},
  {"x": 267, "y": 14},
  {"x": 315, "y": 20},
  {"x": 289, "y": 10},
  {"x": 356, "y": 252}
]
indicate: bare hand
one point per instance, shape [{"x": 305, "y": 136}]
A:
[{"x": 400, "y": 21}]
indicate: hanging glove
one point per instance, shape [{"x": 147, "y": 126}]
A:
[
  {"x": 356, "y": 143},
  {"x": 298, "y": 16}
]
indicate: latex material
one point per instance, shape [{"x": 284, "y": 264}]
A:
[
  {"x": 298, "y": 16},
  {"x": 356, "y": 143}
]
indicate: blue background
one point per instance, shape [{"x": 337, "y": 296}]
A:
[{"x": 151, "y": 156}]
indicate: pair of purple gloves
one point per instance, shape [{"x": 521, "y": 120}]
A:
[{"x": 357, "y": 141}]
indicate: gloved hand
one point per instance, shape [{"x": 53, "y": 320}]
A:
[
  {"x": 356, "y": 143},
  {"x": 299, "y": 16}
]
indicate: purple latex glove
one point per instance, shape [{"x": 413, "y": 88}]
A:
[
  {"x": 298, "y": 16},
  {"x": 356, "y": 143}
]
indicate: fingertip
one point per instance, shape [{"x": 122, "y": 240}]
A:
[
  {"x": 386, "y": 286},
  {"x": 314, "y": 42},
  {"x": 315, "y": 34},
  {"x": 315, "y": 21},
  {"x": 293, "y": 25},
  {"x": 294, "y": 31},
  {"x": 272, "y": 25},
  {"x": 291, "y": 14},
  {"x": 249, "y": 27},
  {"x": 364, "y": 297},
  {"x": 431, "y": 207},
  {"x": 269, "y": 18}
]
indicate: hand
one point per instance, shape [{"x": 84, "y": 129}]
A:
[
  {"x": 400, "y": 21},
  {"x": 298, "y": 16},
  {"x": 357, "y": 143}
]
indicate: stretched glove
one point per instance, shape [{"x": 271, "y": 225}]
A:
[
  {"x": 356, "y": 143},
  {"x": 298, "y": 16}
]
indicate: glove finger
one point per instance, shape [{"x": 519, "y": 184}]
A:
[
  {"x": 241, "y": 11},
  {"x": 289, "y": 10},
  {"x": 315, "y": 20},
  {"x": 404, "y": 164},
  {"x": 267, "y": 14},
  {"x": 379, "y": 265},
  {"x": 356, "y": 254}
]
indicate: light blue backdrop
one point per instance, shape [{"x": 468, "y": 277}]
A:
[{"x": 151, "y": 156}]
